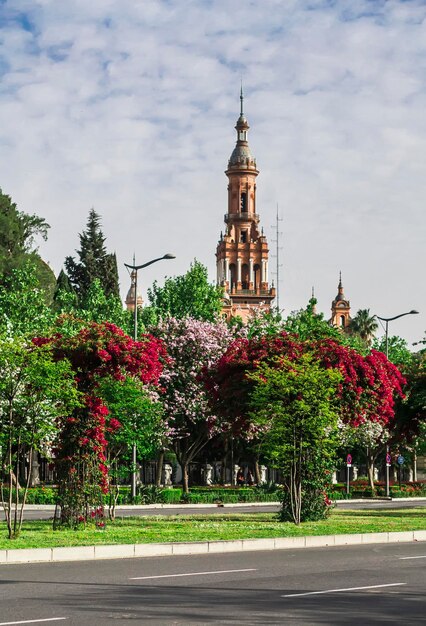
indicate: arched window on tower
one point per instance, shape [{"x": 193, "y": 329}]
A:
[
  {"x": 243, "y": 204},
  {"x": 256, "y": 271},
  {"x": 342, "y": 321},
  {"x": 245, "y": 276}
]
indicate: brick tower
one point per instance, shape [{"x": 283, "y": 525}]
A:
[
  {"x": 340, "y": 308},
  {"x": 242, "y": 252}
]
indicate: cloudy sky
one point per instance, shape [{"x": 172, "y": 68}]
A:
[{"x": 129, "y": 106}]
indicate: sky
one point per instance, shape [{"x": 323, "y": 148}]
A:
[{"x": 129, "y": 107}]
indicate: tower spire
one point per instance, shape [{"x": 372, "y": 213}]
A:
[{"x": 241, "y": 100}]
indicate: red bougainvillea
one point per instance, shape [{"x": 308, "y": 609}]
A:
[
  {"x": 95, "y": 352},
  {"x": 368, "y": 390}
]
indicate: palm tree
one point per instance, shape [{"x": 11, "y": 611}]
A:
[{"x": 364, "y": 325}]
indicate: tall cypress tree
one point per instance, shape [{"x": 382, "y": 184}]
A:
[{"x": 94, "y": 261}]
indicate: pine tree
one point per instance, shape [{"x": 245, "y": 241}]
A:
[{"x": 94, "y": 262}]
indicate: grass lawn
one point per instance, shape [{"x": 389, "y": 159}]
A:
[{"x": 39, "y": 534}]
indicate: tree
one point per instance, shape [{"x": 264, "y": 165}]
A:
[
  {"x": 398, "y": 352},
  {"x": 34, "y": 392},
  {"x": 364, "y": 325},
  {"x": 192, "y": 346},
  {"x": 188, "y": 295},
  {"x": 294, "y": 403},
  {"x": 94, "y": 262},
  {"x": 367, "y": 392},
  {"x": 18, "y": 232},
  {"x": 23, "y": 308},
  {"x": 97, "y": 352},
  {"x": 138, "y": 410}
]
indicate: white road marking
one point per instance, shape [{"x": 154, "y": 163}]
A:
[
  {"x": 222, "y": 571},
  {"x": 315, "y": 593},
  {"x": 34, "y": 621},
  {"x": 405, "y": 558}
]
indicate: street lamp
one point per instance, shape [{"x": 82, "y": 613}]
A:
[
  {"x": 135, "y": 269},
  {"x": 387, "y": 320},
  {"x": 390, "y": 319}
]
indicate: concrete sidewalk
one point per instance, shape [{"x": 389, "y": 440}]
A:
[{"x": 126, "y": 551}]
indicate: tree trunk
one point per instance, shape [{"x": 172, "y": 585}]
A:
[
  {"x": 256, "y": 472},
  {"x": 35, "y": 469},
  {"x": 370, "y": 470},
  {"x": 185, "y": 477},
  {"x": 159, "y": 470}
]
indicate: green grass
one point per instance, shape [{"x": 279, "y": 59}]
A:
[{"x": 39, "y": 534}]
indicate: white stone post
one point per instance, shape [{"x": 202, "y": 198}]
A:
[
  {"x": 263, "y": 470},
  {"x": 376, "y": 473},
  {"x": 354, "y": 472},
  {"x": 334, "y": 478},
  {"x": 238, "y": 270}
]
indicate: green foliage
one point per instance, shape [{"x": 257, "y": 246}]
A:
[
  {"x": 23, "y": 308},
  {"x": 94, "y": 262},
  {"x": 35, "y": 391},
  {"x": 398, "y": 351},
  {"x": 139, "y": 412},
  {"x": 18, "y": 231},
  {"x": 190, "y": 295},
  {"x": 364, "y": 325},
  {"x": 294, "y": 405}
]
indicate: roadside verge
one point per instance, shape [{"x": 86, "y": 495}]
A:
[{"x": 125, "y": 551}]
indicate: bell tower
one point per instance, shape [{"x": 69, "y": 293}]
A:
[
  {"x": 340, "y": 308},
  {"x": 242, "y": 252}
]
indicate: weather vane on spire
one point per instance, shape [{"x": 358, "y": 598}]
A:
[{"x": 242, "y": 99}]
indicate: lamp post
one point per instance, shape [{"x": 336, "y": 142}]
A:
[
  {"x": 135, "y": 269},
  {"x": 387, "y": 320},
  {"x": 390, "y": 319}
]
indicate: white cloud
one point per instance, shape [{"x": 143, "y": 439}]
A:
[{"x": 130, "y": 106}]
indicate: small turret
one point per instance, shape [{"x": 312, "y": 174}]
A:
[{"x": 340, "y": 308}]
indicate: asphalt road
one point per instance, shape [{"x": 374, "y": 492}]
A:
[
  {"x": 215, "y": 510},
  {"x": 371, "y": 585}
]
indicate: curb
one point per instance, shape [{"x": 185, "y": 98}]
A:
[
  {"x": 126, "y": 551},
  {"x": 146, "y": 507}
]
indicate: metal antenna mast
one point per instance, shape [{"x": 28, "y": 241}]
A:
[{"x": 278, "y": 248}]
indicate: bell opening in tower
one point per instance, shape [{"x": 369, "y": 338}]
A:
[{"x": 243, "y": 204}]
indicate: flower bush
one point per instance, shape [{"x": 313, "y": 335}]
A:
[{"x": 96, "y": 352}]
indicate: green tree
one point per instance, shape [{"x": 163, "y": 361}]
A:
[
  {"x": 190, "y": 295},
  {"x": 23, "y": 308},
  {"x": 294, "y": 405},
  {"x": 94, "y": 262},
  {"x": 365, "y": 325},
  {"x": 139, "y": 412},
  {"x": 18, "y": 232},
  {"x": 398, "y": 351},
  {"x": 34, "y": 391}
]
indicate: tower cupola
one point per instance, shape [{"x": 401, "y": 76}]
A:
[
  {"x": 340, "y": 308},
  {"x": 242, "y": 253}
]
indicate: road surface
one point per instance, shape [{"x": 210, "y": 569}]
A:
[{"x": 351, "y": 585}]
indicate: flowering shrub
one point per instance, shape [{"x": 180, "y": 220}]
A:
[
  {"x": 367, "y": 390},
  {"x": 192, "y": 345},
  {"x": 96, "y": 352}
]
